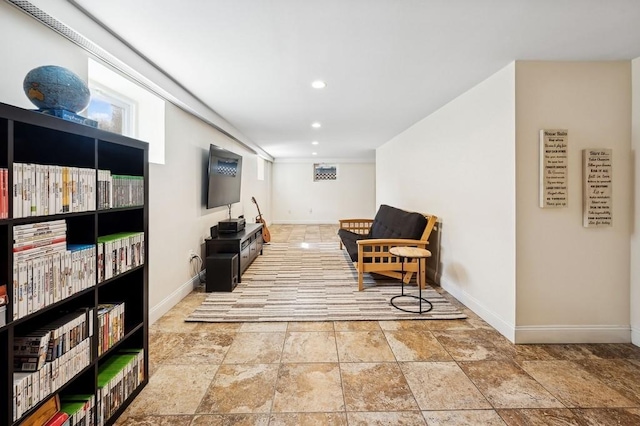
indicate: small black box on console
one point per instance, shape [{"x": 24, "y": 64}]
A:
[{"x": 231, "y": 226}]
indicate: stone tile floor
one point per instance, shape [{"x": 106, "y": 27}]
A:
[{"x": 458, "y": 372}]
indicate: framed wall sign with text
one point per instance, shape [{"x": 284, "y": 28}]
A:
[
  {"x": 597, "y": 206},
  {"x": 553, "y": 168}
]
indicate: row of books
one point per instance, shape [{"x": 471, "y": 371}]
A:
[
  {"x": 79, "y": 409},
  {"x": 29, "y": 388},
  {"x": 40, "y": 189},
  {"x": 59, "y": 419},
  {"x": 46, "y": 269},
  {"x": 32, "y": 240},
  {"x": 74, "y": 410},
  {"x": 118, "y": 253},
  {"x": 4, "y": 193},
  {"x": 45, "y": 412},
  {"x": 119, "y": 190},
  {"x": 51, "y": 341},
  {"x": 118, "y": 377},
  {"x": 110, "y": 325}
]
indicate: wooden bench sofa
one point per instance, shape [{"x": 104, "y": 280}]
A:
[{"x": 368, "y": 241}]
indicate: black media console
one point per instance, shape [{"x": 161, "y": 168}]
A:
[{"x": 247, "y": 244}]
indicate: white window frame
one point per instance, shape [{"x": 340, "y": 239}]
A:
[
  {"x": 129, "y": 106},
  {"x": 148, "y": 112}
]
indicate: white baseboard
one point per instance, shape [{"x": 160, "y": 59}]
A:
[
  {"x": 495, "y": 321},
  {"x": 547, "y": 333},
  {"x": 573, "y": 334},
  {"x": 635, "y": 336},
  {"x": 172, "y": 300}
]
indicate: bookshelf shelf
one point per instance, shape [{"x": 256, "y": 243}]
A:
[{"x": 31, "y": 138}]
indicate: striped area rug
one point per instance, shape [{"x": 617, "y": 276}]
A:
[{"x": 313, "y": 282}]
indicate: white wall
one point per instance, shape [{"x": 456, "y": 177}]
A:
[
  {"x": 26, "y": 45},
  {"x": 178, "y": 222},
  {"x": 635, "y": 232},
  {"x": 459, "y": 164},
  {"x": 298, "y": 199},
  {"x": 572, "y": 282}
]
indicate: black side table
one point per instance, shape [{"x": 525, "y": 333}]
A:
[{"x": 420, "y": 255}]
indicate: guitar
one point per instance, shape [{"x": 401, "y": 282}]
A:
[{"x": 266, "y": 235}]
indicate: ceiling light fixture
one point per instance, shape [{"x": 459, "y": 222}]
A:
[
  {"x": 318, "y": 84},
  {"x": 316, "y": 125},
  {"x": 314, "y": 153},
  {"x": 315, "y": 143}
]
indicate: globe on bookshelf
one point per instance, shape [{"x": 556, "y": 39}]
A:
[{"x": 57, "y": 88}]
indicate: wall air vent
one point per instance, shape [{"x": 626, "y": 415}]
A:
[
  {"x": 62, "y": 29},
  {"x": 118, "y": 65}
]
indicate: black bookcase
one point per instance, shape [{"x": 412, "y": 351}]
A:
[{"x": 31, "y": 137}]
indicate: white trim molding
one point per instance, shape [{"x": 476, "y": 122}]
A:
[
  {"x": 176, "y": 296},
  {"x": 635, "y": 336},
  {"x": 548, "y": 334},
  {"x": 505, "y": 328},
  {"x": 573, "y": 334}
]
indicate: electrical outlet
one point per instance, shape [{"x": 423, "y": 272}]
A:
[{"x": 191, "y": 254}]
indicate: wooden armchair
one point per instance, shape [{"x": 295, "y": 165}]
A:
[{"x": 371, "y": 254}]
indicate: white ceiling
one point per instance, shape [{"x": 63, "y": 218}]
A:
[{"x": 387, "y": 63}]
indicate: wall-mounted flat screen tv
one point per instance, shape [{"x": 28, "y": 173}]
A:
[{"x": 224, "y": 177}]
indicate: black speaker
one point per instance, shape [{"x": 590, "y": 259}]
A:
[
  {"x": 222, "y": 272},
  {"x": 214, "y": 231}
]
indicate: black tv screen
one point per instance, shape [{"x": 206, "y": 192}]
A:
[{"x": 224, "y": 177}]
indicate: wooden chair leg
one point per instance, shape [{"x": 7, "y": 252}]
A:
[
  {"x": 360, "y": 281},
  {"x": 407, "y": 277}
]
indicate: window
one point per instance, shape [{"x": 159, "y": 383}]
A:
[
  {"x": 260, "y": 168},
  {"x": 113, "y": 111},
  {"x": 324, "y": 172},
  {"x": 139, "y": 113}
]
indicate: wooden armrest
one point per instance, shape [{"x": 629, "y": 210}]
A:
[
  {"x": 359, "y": 226},
  {"x": 391, "y": 242},
  {"x": 355, "y": 220}
]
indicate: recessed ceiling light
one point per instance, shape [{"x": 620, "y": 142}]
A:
[
  {"x": 318, "y": 84},
  {"x": 314, "y": 153},
  {"x": 316, "y": 125},
  {"x": 315, "y": 143}
]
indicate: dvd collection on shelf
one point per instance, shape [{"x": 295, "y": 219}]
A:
[
  {"x": 51, "y": 341},
  {"x": 4, "y": 193},
  {"x": 46, "y": 269},
  {"x": 41, "y": 190},
  {"x": 117, "y": 379},
  {"x": 118, "y": 253},
  {"x": 69, "y": 357},
  {"x": 30, "y": 388},
  {"x": 110, "y": 325},
  {"x": 46, "y": 358},
  {"x": 79, "y": 409},
  {"x": 119, "y": 190}
]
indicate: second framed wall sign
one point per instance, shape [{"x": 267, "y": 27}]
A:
[{"x": 596, "y": 174}]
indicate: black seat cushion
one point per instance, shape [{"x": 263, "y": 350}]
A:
[
  {"x": 349, "y": 241},
  {"x": 391, "y": 222}
]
